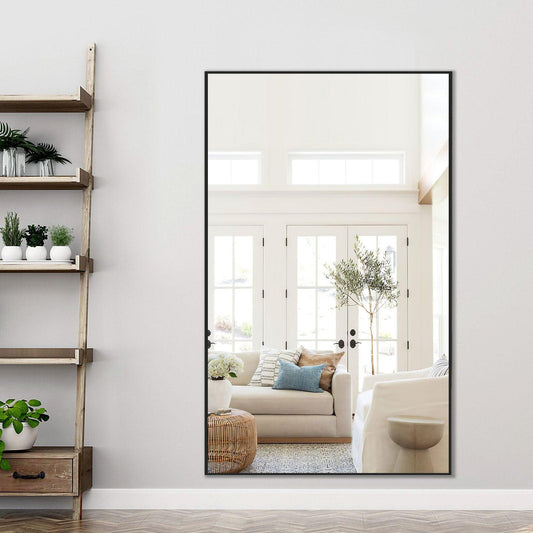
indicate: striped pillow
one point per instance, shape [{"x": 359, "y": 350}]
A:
[
  {"x": 439, "y": 368},
  {"x": 268, "y": 369}
]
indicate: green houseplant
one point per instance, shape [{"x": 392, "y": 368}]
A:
[
  {"x": 366, "y": 282},
  {"x": 61, "y": 237},
  {"x": 45, "y": 155},
  {"x": 12, "y": 236},
  {"x": 35, "y": 237},
  {"x": 14, "y": 145},
  {"x": 19, "y": 420}
]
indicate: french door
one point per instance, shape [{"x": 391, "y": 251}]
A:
[
  {"x": 235, "y": 288},
  {"x": 312, "y": 317}
]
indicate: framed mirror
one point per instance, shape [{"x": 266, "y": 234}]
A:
[{"x": 328, "y": 277}]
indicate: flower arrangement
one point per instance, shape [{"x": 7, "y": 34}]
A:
[{"x": 224, "y": 366}]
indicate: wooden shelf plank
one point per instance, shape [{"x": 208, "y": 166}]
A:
[
  {"x": 44, "y": 452},
  {"x": 31, "y": 103},
  {"x": 80, "y": 264},
  {"x": 45, "y": 356},
  {"x": 39, "y": 183}
]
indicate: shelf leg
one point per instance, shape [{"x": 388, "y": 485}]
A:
[{"x": 77, "y": 507}]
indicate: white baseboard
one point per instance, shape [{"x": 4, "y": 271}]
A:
[{"x": 371, "y": 499}]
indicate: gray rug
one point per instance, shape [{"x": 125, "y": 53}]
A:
[{"x": 302, "y": 459}]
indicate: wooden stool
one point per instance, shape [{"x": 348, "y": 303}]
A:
[
  {"x": 231, "y": 442},
  {"x": 415, "y": 435}
]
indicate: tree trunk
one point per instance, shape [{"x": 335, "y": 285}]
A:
[{"x": 372, "y": 341}]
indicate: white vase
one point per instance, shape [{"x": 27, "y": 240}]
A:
[
  {"x": 11, "y": 253},
  {"x": 60, "y": 253},
  {"x": 9, "y": 162},
  {"x": 21, "y": 441},
  {"x": 218, "y": 394},
  {"x": 36, "y": 253},
  {"x": 20, "y": 162},
  {"x": 46, "y": 168}
]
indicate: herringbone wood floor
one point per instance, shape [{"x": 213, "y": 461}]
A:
[{"x": 269, "y": 522}]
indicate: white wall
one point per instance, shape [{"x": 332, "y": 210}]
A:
[
  {"x": 281, "y": 113},
  {"x": 147, "y": 292}
]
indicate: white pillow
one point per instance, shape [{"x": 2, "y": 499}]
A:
[{"x": 268, "y": 368}]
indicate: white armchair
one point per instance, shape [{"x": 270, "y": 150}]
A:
[{"x": 386, "y": 395}]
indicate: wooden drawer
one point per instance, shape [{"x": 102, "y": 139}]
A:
[
  {"x": 47, "y": 471},
  {"x": 48, "y": 476}
]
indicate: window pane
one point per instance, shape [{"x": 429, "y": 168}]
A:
[
  {"x": 244, "y": 313},
  {"x": 387, "y": 358},
  {"x": 222, "y": 347},
  {"x": 243, "y": 347},
  {"x": 327, "y": 254},
  {"x": 388, "y": 323},
  {"x": 223, "y": 260},
  {"x": 305, "y": 172},
  {"x": 244, "y": 172},
  {"x": 386, "y": 171},
  {"x": 388, "y": 246},
  {"x": 359, "y": 172},
  {"x": 306, "y": 310},
  {"x": 328, "y": 345},
  {"x": 332, "y": 172},
  {"x": 218, "y": 171},
  {"x": 306, "y": 343},
  {"x": 369, "y": 242},
  {"x": 306, "y": 261},
  {"x": 364, "y": 325},
  {"x": 244, "y": 260},
  {"x": 223, "y": 314},
  {"x": 326, "y": 314}
]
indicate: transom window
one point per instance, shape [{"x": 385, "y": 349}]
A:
[
  {"x": 234, "y": 168},
  {"x": 353, "y": 168}
]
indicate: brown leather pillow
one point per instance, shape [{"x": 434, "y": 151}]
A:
[{"x": 310, "y": 358}]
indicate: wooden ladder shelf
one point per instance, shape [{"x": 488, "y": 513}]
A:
[{"x": 68, "y": 468}]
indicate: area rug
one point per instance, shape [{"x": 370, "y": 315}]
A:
[{"x": 302, "y": 459}]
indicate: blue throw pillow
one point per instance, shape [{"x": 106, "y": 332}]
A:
[{"x": 306, "y": 378}]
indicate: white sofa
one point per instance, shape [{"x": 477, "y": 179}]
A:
[
  {"x": 386, "y": 395},
  {"x": 295, "y": 416}
]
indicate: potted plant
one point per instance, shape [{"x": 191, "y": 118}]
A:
[
  {"x": 45, "y": 155},
  {"x": 35, "y": 237},
  {"x": 12, "y": 235},
  {"x": 366, "y": 282},
  {"x": 14, "y": 144},
  {"x": 19, "y": 421},
  {"x": 219, "y": 369},
  {"x": 61, "y": 237}
]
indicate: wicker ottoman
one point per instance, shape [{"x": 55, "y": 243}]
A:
[{"x": 231, "y": 442}]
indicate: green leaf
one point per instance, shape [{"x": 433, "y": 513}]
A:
[
  {"x": 4, "y": 464},
  {"x": 44, "y": 418},
  {"x": 32, "y": 423},
  {"x": 7, "y": 423},
  {"x": 11, "y": 400},
  {"x": 233, "y": 375},
  {"x": 18, "y": 426},
  {"x": 34, "y": 403},
  {"x": 2, "y": 446}
]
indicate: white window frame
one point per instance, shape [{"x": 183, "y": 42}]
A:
[
  {"x": 347, "y": 156},
  {"x": 256, "y": 232},
  {"x": 237, "y": 156}
]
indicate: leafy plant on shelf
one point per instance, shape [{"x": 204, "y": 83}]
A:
[
  {"x": 16, "y": 412},
  {"x": 61, "y": 235},
  {"x": 12, "y": 138},
  {"x": 42, "y": 152},
  {"x": 11, "y": 232},
  {"x": 35, "y": 235}
]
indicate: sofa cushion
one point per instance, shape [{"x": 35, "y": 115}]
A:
[
  {"x": 267, "y": 401},
  {"x": 364, "y": 401},
  {"x": 268, "y": 369},
  {"x": 330, "y": 359},
  {"x": 439, "y": 368}
]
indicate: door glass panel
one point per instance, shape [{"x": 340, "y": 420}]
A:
[
  {"x": 243, "y": 313},
  {"x": 306, "y": 314},
  {"x": 306, "y": 261},
  {"x": 387, "y": 357},
  {"x": 327, "y": 322},
  {"x": 326, "y": 256},
  {"x": 244, "y": 260},
  {"x": 223, "y": 265},
  {"x": 223, "y": 314}
]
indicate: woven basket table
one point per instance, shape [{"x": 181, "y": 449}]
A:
[{"x": 231, "y": 442}]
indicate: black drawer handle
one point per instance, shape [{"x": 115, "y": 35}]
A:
[{"x": 40, "y": 475}]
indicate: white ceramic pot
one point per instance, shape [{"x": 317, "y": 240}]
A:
[
  {"x": 36, "y": 253},
  {"x": 218, "y": 394},
  {"x": 21, "y": 441},
  {"x": 60, "y": 253},
  {"x": 11, "y": 253}
]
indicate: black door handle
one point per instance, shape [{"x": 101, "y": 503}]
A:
[
  {"x": 40, "y": 475},
  {"x": 209, "y": 344},
  {"x": 340, "y": 344},
  {"x": 352, "y": 332},
  {"x": 354, "y": 343}
]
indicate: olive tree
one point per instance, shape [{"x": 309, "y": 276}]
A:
[{"x": 366, "y": 282}]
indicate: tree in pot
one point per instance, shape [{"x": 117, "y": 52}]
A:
[
  {"x": 219, "y": 369},
  {"x": 366, "y": 282},
  {"x": 45, "y": 155},
  {"x": 35, "y": 237},
  {"x": 12, "y": 236},
  {"x": 14, "y": 145},
  {"x": 61, "y": 237},
  {"x": 19, "y": 421}
]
